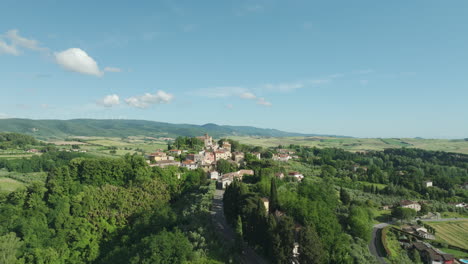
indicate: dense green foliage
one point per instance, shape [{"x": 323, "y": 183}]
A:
[
  {"x": 15, "y": 140},
  {"x": 45, "y": 162},
  {"x": 403, "y": 171},
  {"x": 191, "y": 143},
  {"x": 101, "y": 210}
]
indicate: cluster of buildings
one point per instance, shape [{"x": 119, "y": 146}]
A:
[
  {"x": 208, "y": 157},
  {"x": 284, "y": 155},
  {"x": 410, "y": 204},
  {"x": 205, "y": 159},
  {"x": 226, "y": 179},
  {"x": 432, "y": 255},
  {"x": 418, "y": 231},
  {"x": 297, "y": 175}
]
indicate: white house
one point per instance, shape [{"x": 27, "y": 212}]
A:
[
  {"x": 427, "y": 184},
  {"x": 214, "y": 175},
  {"x": 296, "y": 175},
  {"x": 189, "y": 164},
  {"x": 410, "y": 204}
]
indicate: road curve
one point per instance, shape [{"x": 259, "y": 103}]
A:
[
  {"x": 217, "y": 214},
  {"x": 375, "y": 246}
]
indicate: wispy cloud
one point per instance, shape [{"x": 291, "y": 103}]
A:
[
  {"x": 262, "y": 101},
  {"x": 77, "y": 60},
  {"x": 146, "y": 100},
  {"x": 112, "y": 69},
  {"x": 246, "y": 9},
  {"x": 223, "y": 92},
  {"x": 229, "y": 106},
  {"x": 8, "y": 49},
  {"x": 284, "y": 87},
  {"x": 109, "y": 100},
  {"x": 17, "y": 42},
  {"x": 247, "y": 95}
]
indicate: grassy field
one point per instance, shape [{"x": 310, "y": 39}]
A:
[
  {"x": 10, "y": 185},
  {"x": 453, "y": 232},
  {"x": 102, "y": 145},
  {"x": 360, "y": 144}
]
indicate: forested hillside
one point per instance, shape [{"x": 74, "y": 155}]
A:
[
  {"x": 101, "y": 210},
  {"x": 125, "y": 128}
]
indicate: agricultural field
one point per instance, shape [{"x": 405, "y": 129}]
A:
[
  {"x": 102, "y": 146},
  {"x": 10, "y": 185},
  {"x": 452, "y": 232},
  {"x": 359, "y": 144}
]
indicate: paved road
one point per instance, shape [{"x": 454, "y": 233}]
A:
[
  {"x": 217, "y": 213},
  {"x": 375, "y": 246}
]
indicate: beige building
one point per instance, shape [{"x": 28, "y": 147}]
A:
[
  {"x": 157, "y": 156},
  {"x": 166, "y": 163},
  {"x": 222, "y": 154},
  {"x": 410, "y": 204},
  {"x": 238, "y": 156},
  {"x": 207, "y": 140}
]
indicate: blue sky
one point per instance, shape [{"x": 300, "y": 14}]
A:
[{"x": 356, "y": 68}]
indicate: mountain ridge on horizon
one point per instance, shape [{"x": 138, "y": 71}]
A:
[{"x": 56, "y": 128}]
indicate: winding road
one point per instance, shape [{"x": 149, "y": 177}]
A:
[
  {"x": 375, "y": 245},
  {"x": 217, "y": 214}
]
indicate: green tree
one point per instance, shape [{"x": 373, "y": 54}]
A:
[
  {"x": 274, "y": 203},
  {"x": 239, "y": 235},
  {"x": 310, "y": 247},
  {"x": 344, "y": 196},
  {"x": 360, "y": 224},
  {"x": 9, "y": 248},
  {"x": 224, "y": 166}
]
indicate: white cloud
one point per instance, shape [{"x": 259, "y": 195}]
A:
[
  {"x": 109, "y": 100},
  {"x": 77, "y": 60},
  {"x": 261, "y": 101},
  {"x": 8, "y": 49},
  {"x": 146, "y": 100},
  {"x": 284, "y": 87},
  {"x": 226, "y": 91},
  {"x": 20, "y": 41},
  {"x": 112, "y": 69},
  {"x": 247, "y": 95},
  {"x": 229, "y": 106}
]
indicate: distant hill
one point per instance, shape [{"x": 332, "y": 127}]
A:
[{"x": 123, "y": 128}]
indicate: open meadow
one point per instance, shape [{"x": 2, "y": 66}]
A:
[{"x": 10, "y": 185}]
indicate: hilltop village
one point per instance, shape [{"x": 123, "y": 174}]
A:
[{"x": 209, "y": 157}]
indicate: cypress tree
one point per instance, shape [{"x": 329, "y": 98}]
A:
[
  {"x": 344, "y": 196},
  {"x": 273, "y": 206},
  {"x": 310, "y": 247}
]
